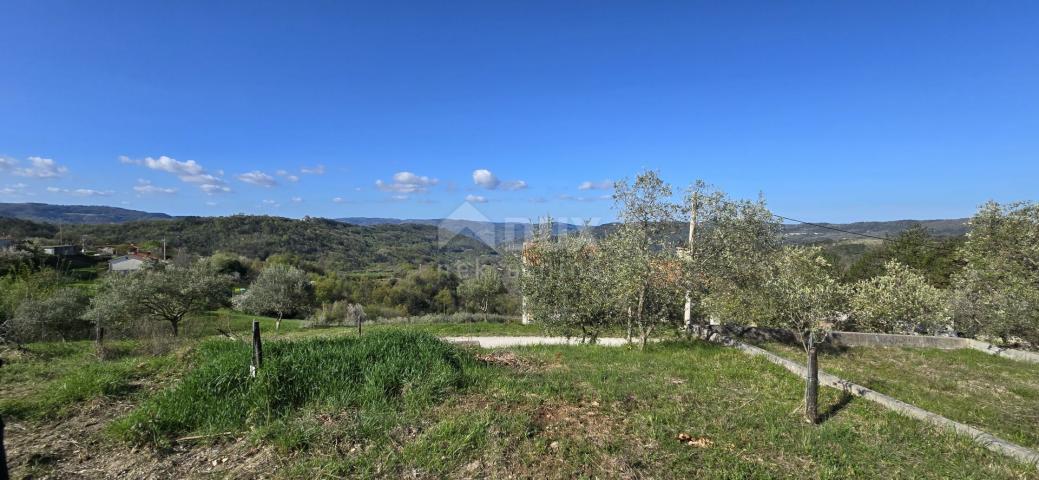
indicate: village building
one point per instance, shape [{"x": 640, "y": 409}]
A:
[
  {"x": 129, "y": 263},
  {"x": 62, "y": 250}
]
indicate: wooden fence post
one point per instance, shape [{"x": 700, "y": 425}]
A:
[
  {"x": 257, "y": 350},
  {"x": 358, "y": 325},
  {"x": 3, "y": 453},
  {"x": 99, "y": 341}
]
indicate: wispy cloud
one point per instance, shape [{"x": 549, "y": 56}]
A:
[
  {"x": 590, "y": 185},
  {"x": 315, "y": 170},
  {"x": 145, "y": 187},
  {"x": 476, "y": 199},
  {"x": 406, "y": 183},
  {"x": 578, "y": 198},
  {"x": 258, "y": 178},
  {"x": 81, "y": 192},
  {"x": 16, "y": 189},
  {"x": 486, "y": 179},
  {"x": 188, "y": 171},
  {"x": 38, "y": 167},
  {"x": 287, "y": 176}
]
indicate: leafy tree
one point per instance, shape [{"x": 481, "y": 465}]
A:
[
  {"x": 58, "y": 315},
  {"x": 899, "y": 301},
  {"x": 281, "y": 290},
  {"x": 163, "y": 293},
  {"x": 480, "y": 293},
  {"x": 563, "y": 280},
  {"x": 997, "y": 293},
  {"x": 645, "y": 271},
  {"x": 935, "y": 258},
  {"x": 727, "y": 255},
  {"x": 804, "y": 298}
]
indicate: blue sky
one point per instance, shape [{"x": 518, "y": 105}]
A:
[{"x": 837, "y": 111}]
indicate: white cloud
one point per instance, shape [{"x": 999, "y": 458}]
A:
[
  {"x": 287, "y": 176},
  {"x": 577, "y": 198},
  {"x": 296, "y": 199},
  {"x": 257, "y": 177},
  {"x": 81, "y": 192},
  {"x": 146, "y": 187},
  {"x": 490, "y": 181},
  {"x": 316, "y": 170},
  {"x": 16, "y": 189},
  {"x": 590, "y": 185},
  {"x": 39, "y": 167},
  {"x": 188, "y": 171},
  {"x": 271, "y": 203},
  {"x": 338, "y": 200},
  {"x": 405, "y": 183},
  {"x": 476, "y": 199}
]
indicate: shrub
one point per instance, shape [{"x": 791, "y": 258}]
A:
[
  {"x": 55, "y": 317},
  {"x": 899, "y": 301},
  {"x": 339, "y": 313}
]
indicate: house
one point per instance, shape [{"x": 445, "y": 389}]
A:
[
  {"x": 129, "y": 263},
  {"x": 61, "y": 250}
]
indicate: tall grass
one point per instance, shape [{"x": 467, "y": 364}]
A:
[{"x": 378, "y": 372}]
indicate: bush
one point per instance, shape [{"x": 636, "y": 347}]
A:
[
  {"x": 55, "y": 317},
  {"x": 378, "y": 372},
  {"x": 899, "y": 301},
  {"x": 338, "y": 313}
]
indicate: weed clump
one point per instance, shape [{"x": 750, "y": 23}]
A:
[{"x": 380, "y": 372}]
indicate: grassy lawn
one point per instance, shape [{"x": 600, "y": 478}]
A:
[
  {"x": 392, "y": 404},
  {"x": 589, "y": 412},
  {"x": 998, "y": 395}
]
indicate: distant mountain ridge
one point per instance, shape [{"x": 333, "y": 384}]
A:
[
  {"x": 498, "y": 233},
  {"x": 75, "y": 214},
  {"x": 490, "y": 233}
]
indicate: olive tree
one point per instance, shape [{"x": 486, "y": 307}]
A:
[
  {"x": 645, "y": 268},
  {"x": 563, "y": 282},
  {"x": 280, "y": 290},
  {"x": 997, "y": 292},
  {"x": 163, "y": 293},
  {"x": 898, "y": 301},
  {"x": 805, "y": 298},
  {"x": 59, "y": 315},
  {"x": 479, "y": 293},
  {"x": 729, "y": 246}
]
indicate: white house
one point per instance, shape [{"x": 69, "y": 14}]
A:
[{"x": 128, "y": 263}]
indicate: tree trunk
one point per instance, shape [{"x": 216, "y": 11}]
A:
[
  {"x": 629, "y": 326},
  {"x": 812, "y": 384},
  {"x": 99, "y": 341},
  {"x": 175, "y": 323},
  {"x": 3, "y": 453},
  {"x": 358, "y": 325},
  {"x": 277, "y": 324}
]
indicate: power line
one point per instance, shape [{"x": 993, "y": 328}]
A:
[{"x": 886, "y": 239}]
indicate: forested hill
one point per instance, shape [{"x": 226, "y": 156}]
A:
[
  {"x": 75, "y": 214},
  {"x": 327, "y": 243},
  {"x": 803, "y": 233}
]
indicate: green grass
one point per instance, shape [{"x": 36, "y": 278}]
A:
[
  {"x": 379, "y": 373},
  {"x": 600, "y": 412},
  {"x": 399, "y": 403},
  {"x": 48, "y": 380},
  {"x": 997, "y": 395}
]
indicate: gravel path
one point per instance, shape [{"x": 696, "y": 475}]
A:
[{"x": 497, "y": 342}]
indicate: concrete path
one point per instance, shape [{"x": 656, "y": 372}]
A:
[{"x": 498, "y": 342}]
